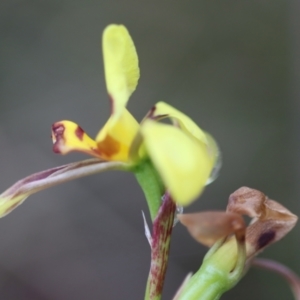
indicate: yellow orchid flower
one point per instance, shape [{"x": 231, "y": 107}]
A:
[{"x": 184, "y": 156}]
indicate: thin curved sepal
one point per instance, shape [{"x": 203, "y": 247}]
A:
[{"x": 16, "y": 194}]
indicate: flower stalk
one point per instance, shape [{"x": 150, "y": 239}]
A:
[
  {"x": 151, "y": 185},
  {"x": 160, "y": 248}
]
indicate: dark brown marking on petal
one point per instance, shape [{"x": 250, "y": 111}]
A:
[
  {"x": 58, "y": 130},
  {"x": 265, "y": 239},
  {"x": 109, "y": 146},
  {"x": 243, "y": 238},
  {"x": 159, "y": 117},
  {"x": 240, "y": 236},
  {"x": 111, "y": 101},
  {"x": 79, "y": 132},
  {"x": 150, "y": 114}
]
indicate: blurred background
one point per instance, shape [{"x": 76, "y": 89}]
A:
[{"x": 233, "y": 66}]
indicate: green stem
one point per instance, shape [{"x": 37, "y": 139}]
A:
[
  {"x": 151, "y": 185},
  {"x": 160, "y": 248},
  {"x": 162, "y": 211},
  {"x": 206, "y": 284},
  {"x": 222, "y": 268}
]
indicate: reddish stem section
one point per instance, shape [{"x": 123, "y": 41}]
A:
[{"x": 161, "y": 237}]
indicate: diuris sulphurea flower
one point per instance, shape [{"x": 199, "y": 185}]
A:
[{"x": 180, "y": 156}]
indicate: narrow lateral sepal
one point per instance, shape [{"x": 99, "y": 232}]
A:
[{"x": 17, "y": 193}]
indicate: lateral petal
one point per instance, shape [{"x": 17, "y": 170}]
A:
[
  {"x": 183, "y": 162},
  {"x": 162, "y": 110}
]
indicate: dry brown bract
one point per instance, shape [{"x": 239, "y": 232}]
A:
[{"x": 270, "y": 221}]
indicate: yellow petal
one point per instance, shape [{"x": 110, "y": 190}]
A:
[
  {"x": 67, "y": 136},
  {"x": 116, "y": 137},
  {"x": 163, "y": 110},
  {"x": 182, "y": 161},
  {"x": 120, "y": 66}
]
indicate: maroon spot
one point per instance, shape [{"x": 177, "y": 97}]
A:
[
  {"x": 265, "y": 239},
  {"x": 111, "y": 101},
  {"x": 243, "y": 239},
  {"x": 151, "y": 112},
  {"x": 150, "y": 115},
  {"x": 79, "y": 132},
  {"x": 58, "y": 130}
]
